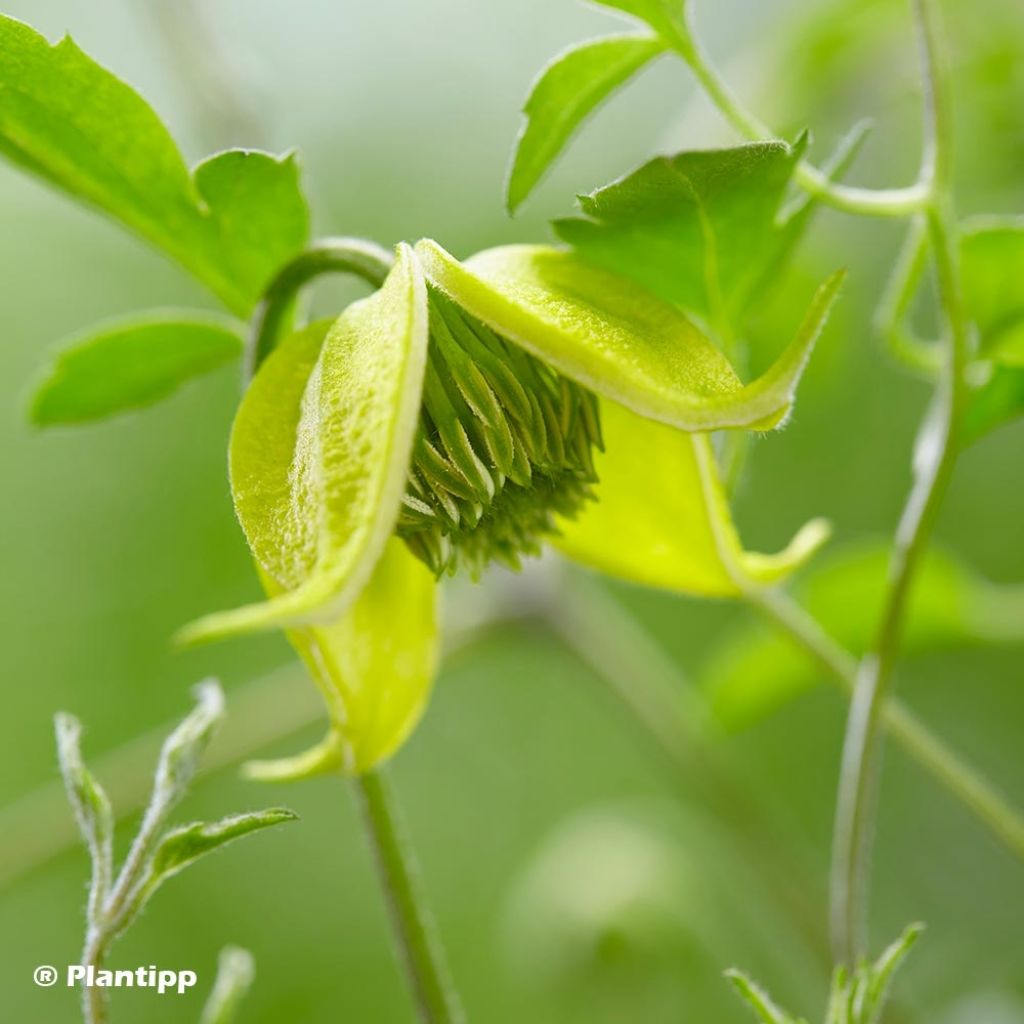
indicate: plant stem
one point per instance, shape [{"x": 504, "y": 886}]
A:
[
  {"x": 935, "y": 458},
  {"x": 411, "y": 922},
  {"x": 943, "y": 763},
  {"x": 328, "y": 256},
  {"x": 893, "y": 202}
]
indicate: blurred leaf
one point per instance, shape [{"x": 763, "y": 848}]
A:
[
  {"x": 758, "y": 1000},
  {"x": 663, "y": 520},
  {"x": 184, "y": 845},
  {"x": 666, "y": 17},
  {"x": 235, "y": 972},
  {"x": 614, "y": 337},
  {"x": 753, "y": 670},
  {"x": 129, "y": 364},
  {"x": 71, "y": 122},
  {"x": 568, "y": 90},
  {"x": 320, "y": 453},
  {"x": 699, "y": 229},
  {"x": 374, "y": 666}
]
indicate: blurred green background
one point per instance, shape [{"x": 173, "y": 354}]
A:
[{"x": 573, "y": 875}]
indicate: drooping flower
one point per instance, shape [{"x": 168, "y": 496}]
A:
[{"x": 454, "y": 418}]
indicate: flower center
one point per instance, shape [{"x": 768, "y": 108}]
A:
[{"x": 504, "y": 446}]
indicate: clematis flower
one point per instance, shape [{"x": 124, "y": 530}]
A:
[{"x": 465, "y": 413}]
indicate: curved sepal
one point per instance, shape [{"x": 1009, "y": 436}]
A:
[
  {"x": 619, "y": 340},
  {"x": 322, "y": 759},
  {"x": 375, "y": 666},
  {"x": 671, "y": 507},
  {"x": 320, "y": 453}
]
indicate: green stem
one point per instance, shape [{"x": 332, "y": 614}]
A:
[
  {"x": 411, "y": 922},
  {"x": 944, "y": 764},
  {"x": 355, "y": 256},
  {"x": 894, "y": 202},
  {"x": 935, "y": 458}
]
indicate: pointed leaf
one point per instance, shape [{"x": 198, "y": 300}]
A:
[
  {"x": 320, "y": 455},
  {"x": 663, "y": 520},
  {"x": 757, "y": 999},
  {"x": 236, "y": 970},
  {"x": 618, "y": 339},
  {"x": 699, "y": 229},
  {"x": 128, "y": 364},
  {"x": 753, "y": 671},
  {"x": 185, "y": 845},
  {"x": 376, "y": 665},
  {"x": 568, "y": 90},
  {"x": 883, "y": 969},
  {"x": 71, "y": 122}
]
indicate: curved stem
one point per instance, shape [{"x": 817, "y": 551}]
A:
[
  {"x": 935, "y": 458},
  {"x": 944, "y": 764},
  {"x": 411, "y": 922},
  {"x": 356, "y": 256},
  {"x": 894, "y": 202}
]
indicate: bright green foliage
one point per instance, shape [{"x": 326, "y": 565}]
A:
[
  {"x": 71, "y": 122},
  {"x": 568, "y": 90},
  {"x": 617, "y": 339},
  {"x": 699, "y": 229},
  {"x": 131, "y": 363},
  {"x": 992, "y": 265},
  {"x": 666, "y": 17},
  {"x": 661, "y": 517},
  {"x": 855, "y": 997},
  {"x": 320, "y": 452},
  {"x": 754, "y": 670}
]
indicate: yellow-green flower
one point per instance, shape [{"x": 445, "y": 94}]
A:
[{"x": 454, "y": 418}]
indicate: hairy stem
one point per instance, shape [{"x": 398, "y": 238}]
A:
[
  {"x": 935, "y": 458},
  {"x": 894, "y": 202},
  {"x": 411, "y": 922},
  {"x": 329, "y": 256}
]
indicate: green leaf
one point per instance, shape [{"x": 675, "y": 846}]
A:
[
  {"x": 663, "y": 520},
  {"x": 568, "y": 90},
  {"x": 236, "y": 970},
  {"x": 129, "y": 364},
  {"x": 666, "y": 17},
  {"x": 754, "y": 670},
  {"x": 320, "y": 453},
  {"x": 68, "y": 120},
  {"x": 758, "y": 1000},
  {"x": 992, "y": 269},
  {"x": 618, "y": 339},
  {"x": 183, "y": 846},
  {"x": 699, "y": 229}
]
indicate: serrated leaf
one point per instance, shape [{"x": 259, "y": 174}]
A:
[
  {"x": 992, "y": 269},
  {"x": 183, "y": 846},
  {"x": 666, "y": 17},
  {"x": 567, "y": 91},
  {"x": 68, "y": 120},
  {"x": 663, "y": 520},
  {"x": 753, "y": 670},
  {"x": 236, "y": 970},
  {"x": 698, "y": 229},
  {"x": 320, "y": 453},
  {"x": 128, "y": 364},
  {"x": 618, "y": 339}
]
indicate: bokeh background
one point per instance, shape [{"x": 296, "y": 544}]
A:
[{"x": 574, "y": 875}]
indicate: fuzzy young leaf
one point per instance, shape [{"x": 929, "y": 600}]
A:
[
  {"x": 128, "y": 364},
  {"x": 758, "y": 1000},
  {"x": 71, "y": 122},
  {"x": 618, "y": 339},
  {"x": 236, "y": 970},
  {"x": 568, "y": 90},
  {"x": 754, "y": 670},
  {"x": 90, "y": 805},
  {"x": 698, "y": 229},
  {"x": 320, "y": 453},
  {"x": 184, "y": 845},
  {"x": 663, "y": 520}
]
